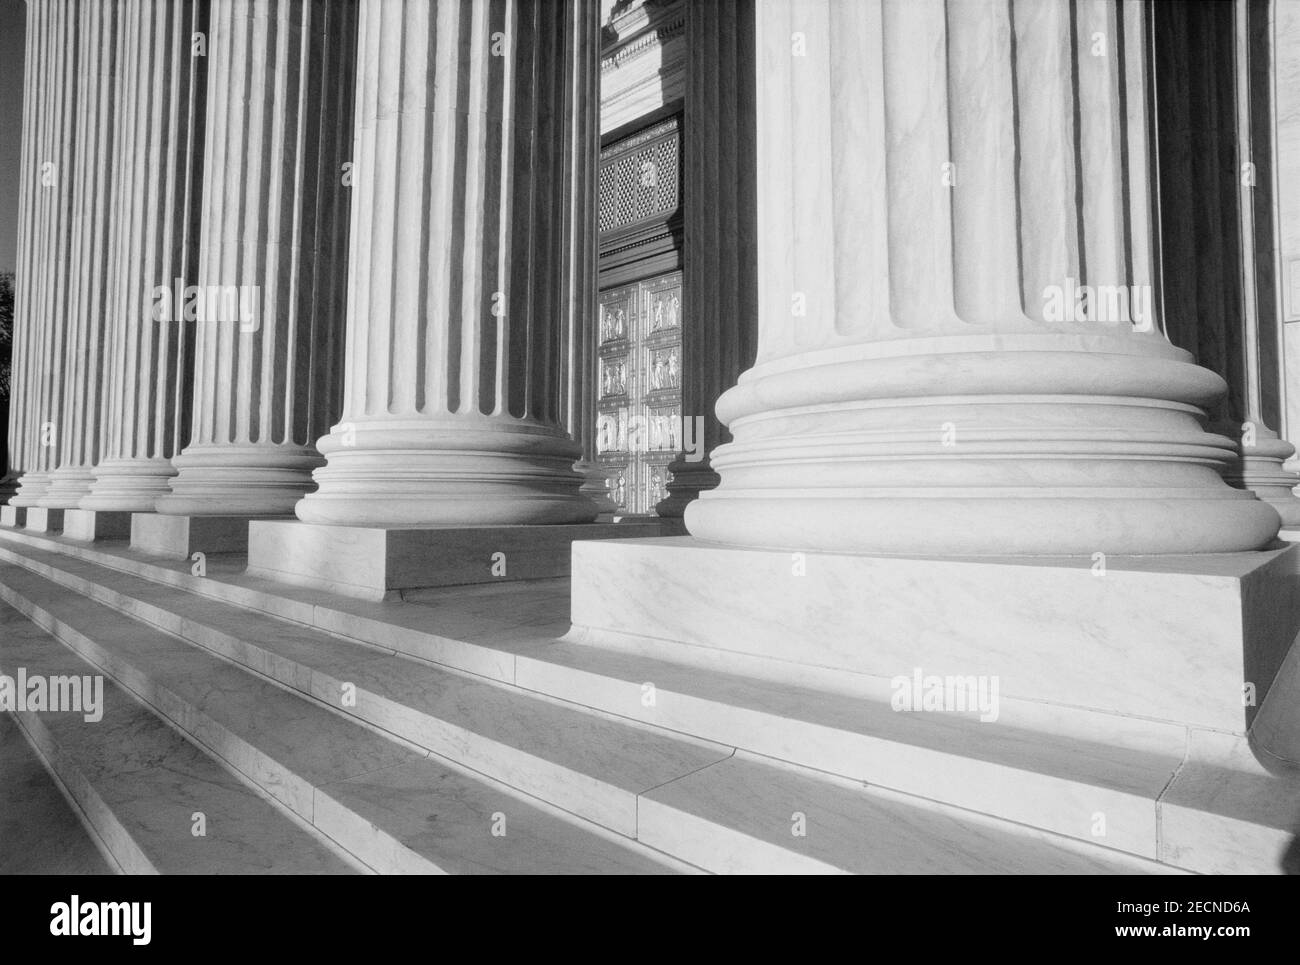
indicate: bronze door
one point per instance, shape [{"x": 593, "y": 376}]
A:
[{"x": 639, "y": 415}]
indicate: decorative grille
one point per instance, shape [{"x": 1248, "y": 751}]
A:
[{"x": 640, "y": 177}]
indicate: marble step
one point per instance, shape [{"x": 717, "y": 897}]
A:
[
  {"x": 1149, "y": 792},
  {"x": 139, "y": 785},
  {"x": 583, "y": 763},
  {"x": 380, "y": 799},
  {"x": 750, "y": 816},
  {"x": 1057, "y": 782},
  {"x": 394, "y": 807},
  {"x": 41, "y": 831}
]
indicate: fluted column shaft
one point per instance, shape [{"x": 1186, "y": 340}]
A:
[
  {"x": 719, "y": 283},
  {"x": 51, "y": 179},
  {"x": 157, "y": 157},
  {"x": 274, "y": 230},
  {"x": 1216, "y": 214},
  {"x": 22, "y": 349},
  {"x": 930, "y": 173},
  {"x": 457, "y": 301},
  {"x": 1263, "y": 451},
  {"x": 88, "y": 278},
  {"x": 579, "y": 295}
]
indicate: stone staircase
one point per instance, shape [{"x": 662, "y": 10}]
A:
[{"x": 458, "y": 732}]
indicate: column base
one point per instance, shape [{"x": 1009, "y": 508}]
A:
[
  {"x": 689, "y": 479},
  {"x": 1170, "y": 639},
  {"x": 376, "y": 563},
  {"x": 222, "y": 480},
  {"x": 31, "y": 487},
  {"x": 180, "y": 537},
  {"x": 128, "y": 485},
  {"x": 41, "y": 519},
  {"x": 450, "y": 472},
  {"x": 13, "y": 516},
  {"x": 980, "y": 445},
  {"x": 90, "y": 525},
  {"x": 596, "y": 488},
  {"x": 1260, "y": 470},
  {"x": 8, "y": 487},
  {"x": 67, "y": 487}
]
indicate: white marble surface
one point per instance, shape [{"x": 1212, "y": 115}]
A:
[
  {"x": 377, "y": 796},
  {"x": 587, "y": 764},
  {"x": 375, "y": 563},
  {"x": 40, "y": 833},
  {"x": 1286, "y": 91},
  {"x": 847, "y": 829},
  {"x": 43, "y": 520},
  {"x": 1157, "y": 638},
  {"x": 424, "y": 817},
  {"x": 90, "y": 525},
  {"x": 139, "y": 781},
  {"x": 179, "y": 537},
  {"x": 1276, "y": 729},
  {"x": 1226, "y": 814},
  {"x": 1006, "y": 770},
  {"x": 1032, "y": 777}
]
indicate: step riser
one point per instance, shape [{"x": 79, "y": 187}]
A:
[{"x": 1041, "y": 801}]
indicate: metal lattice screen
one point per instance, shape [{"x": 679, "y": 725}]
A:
[{"x": 640, "y": 177}]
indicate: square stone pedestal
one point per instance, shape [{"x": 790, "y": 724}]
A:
[
  {"x": 180, "y": 537},
  {"x": 15, "y": 516},
  {"x": 1172, "y": 639},
  {"x": 43, "y": 520},
  {"x": 378, "y": 564},
  {"x": 90, "y": 525}
]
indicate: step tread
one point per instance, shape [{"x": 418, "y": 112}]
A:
[
  {"x": 40, "y": 832},
  {"x": 324, "y": 766},
  {"x": 850, "y": 829},
  {"x": 151, "y": 780}
]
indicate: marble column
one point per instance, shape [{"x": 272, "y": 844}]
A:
[
  {"x": 85, "y": 316},
  {"x": 157, "y": 159},
  {"x": 1216, "y": 220},
  {"x": 578, "y": 294},
  {"x": 719, "y": 283},
  {"x": 22, "y": 348},
  {"x": 456, "y": 304},
  {"x": 1263, "y": 451},
  {"x": 944, "y": 188},
  {"x": 274, "y": 229},
  {"x": 51, "y": 182}
]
